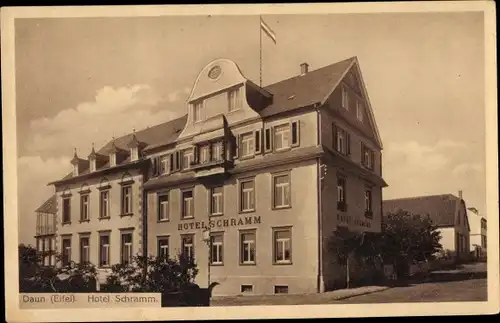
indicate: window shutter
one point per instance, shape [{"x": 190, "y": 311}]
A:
[
  {"x": 363, "y": 159},
  {"x": 258, "y": 141},
  {"x": 348, "y": 143},
  {"x": 171, "y": 157},
  {"x": 267, "y": 140},
  {"x": 236, "y": 146},
  {"x": 334, "y": 130},
  {"x": 295, "y": 133},
  {"x": 154, "y": 166},
  {"x": 196, "y": 154},
  {"x": 178, "y": 157},
  {"x": 372, "y": 159}
]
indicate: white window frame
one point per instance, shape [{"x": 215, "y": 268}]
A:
[
  {"x": 126, "y": 247},
  {"x": 368, "y": 200},
  {"x": 341, "y": 190},
  {"x": 84, "y": 249},
  {"x": 247, "y": 194},
  {"x": 217, "y": 201},
  {"x": 233, "y": 98},
  {"x": 187, "y": 155},
  {"x": 345, "y": 98},
  {"x": 359, "y": 110},
  {"x": 247, "y": 140},
  {"x": 216, "y": 151},
  {"x": 219, "y": 249},
  {"x": 188, "y": 246},
  {"x": 112, "y": 160},
  {"x": 340, "y": 141},
  {"x": 282, "y": 243},
  {"x": 163, "y": 248},
  {"x": 163, "y": 208},
  {"x": 187, "y": 205},
  {"x": 280, "y": 131},
  {"x": 198, "y": 108},
  {"x": 281, "y": 188},
  {"x": 66, "y": 250},
  {"x": 106, "y": 247},
  {"x": 164, "y": 164},
  {"x": 205, "y": 154},
  {"x": 134, "y": 153},
  {"x": 84, "y": 207},
  {"x": 245, "y": 258},
  {"x": 104, "y": 204},
  {"x": 126, "y": 199}
]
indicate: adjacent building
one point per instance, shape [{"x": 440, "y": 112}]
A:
[
  {"x": 478, "y": 231},
  {"x": 251, "y": 182},
  {"x": 448, "y": 212},
  {"x": 45, "y": 232}
]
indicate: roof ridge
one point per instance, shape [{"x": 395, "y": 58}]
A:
[
  {"x": 419, "y": 197},
  {"x": 316, "y": 70}
]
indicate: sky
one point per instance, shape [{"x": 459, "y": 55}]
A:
[{"x": 84, "y": 80}]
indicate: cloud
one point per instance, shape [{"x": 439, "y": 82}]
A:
[
  {"x": 467, "y": 169},
  {"x": 113, "y": 112},
  {"x": 414, "y": 169}
]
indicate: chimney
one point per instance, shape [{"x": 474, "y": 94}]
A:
[
  {"x": 304, "y": 68},
  {"x": 460, "y": 194}
]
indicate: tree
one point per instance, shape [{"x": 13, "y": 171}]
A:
[
  {"x": 153, "y": 274},
  {"x": 35, "y": 277}
]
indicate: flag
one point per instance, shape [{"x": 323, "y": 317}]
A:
[{"x": 267, "y": 30}]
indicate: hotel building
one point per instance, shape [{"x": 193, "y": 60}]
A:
[{"x": 252, "y": 182}]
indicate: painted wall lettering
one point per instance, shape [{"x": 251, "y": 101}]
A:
[{"x": 221, "y": 223}]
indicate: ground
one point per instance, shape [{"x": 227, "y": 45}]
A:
[{"x": 467, "y": 283}]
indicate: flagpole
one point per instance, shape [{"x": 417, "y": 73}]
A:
[{"x": 260, "y": 57}]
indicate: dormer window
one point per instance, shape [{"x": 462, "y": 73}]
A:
[
  {"x": 93, "y": 165},
  {"x": 75, "y": 170},
  {"x": 112, "y": 160},
  {"x": 345, "y": 98},
  {"x": 359, "y": 110},
  {"x": 134, "y": 154}
]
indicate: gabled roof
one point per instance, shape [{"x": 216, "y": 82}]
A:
[
  {"x": 48, "y": 206},
  {"x": 440, "y": 208},
  {"x": 308, "y": 89}
]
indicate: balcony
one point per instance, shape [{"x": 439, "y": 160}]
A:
[
  {"x": 45, "y": 230},
  {"x": 211, "y": 168}
]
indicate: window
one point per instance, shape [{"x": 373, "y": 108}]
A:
[
  {"x": 165, "y": 164},
  {"x": 247, "y": 247},
  {"x": 187, "y": 246},
  {"x": 126, "y": 252},
  {"x": 84, "y": 207},
  {"x": 84, "y": 250},
  {"x": 282, "y": 246},
  {"x": 66, "y": 251},
  {"x": 217, "y": 151},
  {"x": 187, "y": 158},
  {"x": 187, "y": 204},
  {"x": 295, "y": 133},
  {"x": 281, "y": 289},
  {"x": 126, "y": 200},
  {"x": 247, "y": 196},
  {"x": 75, "y": 170},
  {"x": 368, "y": 203},
  {"x": 342, "y": 141},
  {"x": 359, "y": 110},
  {"x": 341, "y": 196},
  {"x": 345, "y": 98},
  {"x": 268, "y": 140},
  {"x": 134, "y": 153},
  {"x": 104, "y": 204},
  {"x": 367, "y": 156},
  {"x": 247, "y": 145},
  {"x": 282, "y": 137},
  {"x": 112, "y": 160},
  {"x": 205, "y": 154},
  {"x": 198, "y": 111},
  {"x": 247, "y": 288},
  {"x": 216, "y": 248},
  {"x": 104, "y": 249},
  {"x": 258, "y": 148},
  {"x": 93, "y": 165},
  {"x": 66, "y": 216},
  {"x": 233, "y": 98},
  {"x": 163, "y": 248},
  {"x": 217, "y": 200},
  {"x": 163, "y": 208},
  {"x": 281, "y": 187}
]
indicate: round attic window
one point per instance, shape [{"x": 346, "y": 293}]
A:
[{"x": 214, "y": 72}]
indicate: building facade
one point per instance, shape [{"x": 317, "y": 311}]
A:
[
  {"x": 448, "y": 212},
  {"x": 251, "y": 182},
  {"x": 45, "y": 234},
  {"x": 268, "y": 173},
  {"x": 478, "y": 229}
]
